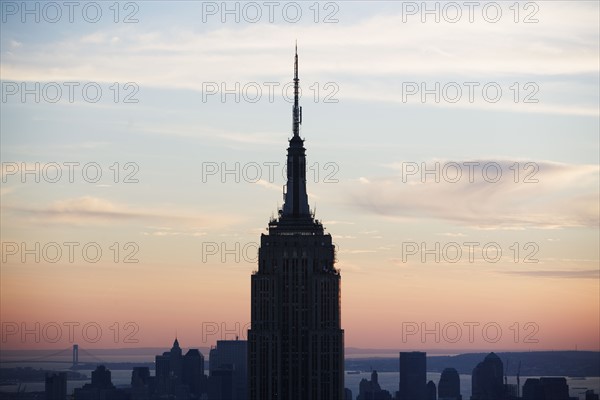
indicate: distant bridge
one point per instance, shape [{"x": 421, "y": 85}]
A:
[{"x": 74, "y": 358}]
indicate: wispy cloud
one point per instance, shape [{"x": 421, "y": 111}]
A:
[
  {"x": 564, "y": 195},
  {"x": 359, "y": 251},
  {"x": 269, "y": 185},
  {"x": 380, "y": 51},
  {"x": 168, "y": 231},
  {"x": 559, "y": 274},
  {"x": 86, "y": 210},
  {"x": 452, "y": 234},
  {"x": 334, "y": 222}
]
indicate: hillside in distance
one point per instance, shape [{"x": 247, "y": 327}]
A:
[{"x": 535, "y": 363}]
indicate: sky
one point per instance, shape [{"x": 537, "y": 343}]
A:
[{"x": 452, "y": 154}]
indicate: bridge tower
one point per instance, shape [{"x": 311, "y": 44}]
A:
[{"x": 75, "y": 356}]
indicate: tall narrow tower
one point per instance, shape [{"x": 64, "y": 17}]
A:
[{"x": 296, "y": 344}]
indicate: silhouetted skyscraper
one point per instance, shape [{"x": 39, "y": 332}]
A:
[
  {"x": 431, "y": 391},
  {"x": 178, "y": 375},
  {"x": 56, "y": 386},
  {"x": 193, "y": 372},
  {"x": 532, "y": 390},
  {"x": 220, "y": 383},
  {"x": 231, "y": 355},
  {"x": 296, "y": 344},
  {"x": 101, "y": 387},
  {"x": 486, "y": 381},
  {"x": 413, "y": 376},
  {"x": 142, "y": 384},
  {"x": 555, "y": 388},
  {"x": 546, "y": 389},
  {"x": 101, "y": 378},
  {"x": 169, "y": 368},
  {"x": 590, "y": 395},
  {"x": 370, "y": 390},
  {"x": 449, "y": 385},
  {"x": 140, "y": 376},
  {"x": 348, "y": 394}
]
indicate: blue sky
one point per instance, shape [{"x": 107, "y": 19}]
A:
[{"x": 369, "y": 58}]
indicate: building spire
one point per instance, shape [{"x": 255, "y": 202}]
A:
[
  {"x": 295, "y": 197},
  {"x": 297, "y": 110}
]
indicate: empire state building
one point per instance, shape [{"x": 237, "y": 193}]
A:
[{"x": 296, "y": 344}]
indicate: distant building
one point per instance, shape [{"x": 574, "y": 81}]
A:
[
  {"x": 228, "y": 361},
  {"x": 169, "y": 367},
  {"x": 555, "y": 388},
  {"x": 532, "y": 390},
  {"x": 431, "y": 391},
  {"x": 449, "y": 385},
  {"x": 590, "y": 395},
  {"x": 193, "y": 372},
  {"x": 546, "y": 389},
  {"x": 56, "y": 386},
  {"x": 347, "y": 394},
  {"x": 101, "y": 387},
  {"x": 180, "y": 376},
  {"x": 140, "y": 376},
  {"x": 370, "y": 389},
  {"x": 220, "y": 383},
  {"x": 101, "y": 378},
  {"x": 142, "y": 384},
  {"x": 413, "y": 376},
  {"x": 510, "y": 391},
  {"x": 486, "y": 381}
]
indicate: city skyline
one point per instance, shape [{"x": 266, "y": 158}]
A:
[
  {"x": 173, "y": 203},
  {"x": 480, "y": 377}
]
